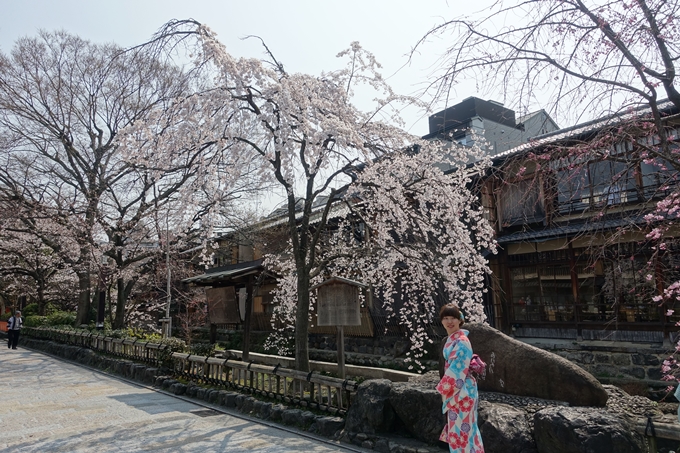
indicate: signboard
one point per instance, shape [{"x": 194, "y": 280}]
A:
[
  {"x": 338, "y": 305},
  {"x": 222, "y": 306}
]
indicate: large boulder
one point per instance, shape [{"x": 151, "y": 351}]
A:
[
  {"x": 517, "y": 368},
  {"x": 419, "y": 410},
  {"x": 370, "y": 411},
  {"x": 505, "y": 429},
  {"x": 582, "y": 430}
]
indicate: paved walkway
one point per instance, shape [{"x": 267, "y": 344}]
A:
[{"x": 47, "y": 405}]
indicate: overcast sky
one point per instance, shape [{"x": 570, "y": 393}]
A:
[{"x": 303, "y": 34}]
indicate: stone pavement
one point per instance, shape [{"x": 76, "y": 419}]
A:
[{"x": 48, "y": 405}]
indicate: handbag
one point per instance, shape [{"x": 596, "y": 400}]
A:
[{"x": 477, "y": 365}]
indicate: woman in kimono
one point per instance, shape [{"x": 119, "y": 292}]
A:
[{"x": 458, "y": 388}]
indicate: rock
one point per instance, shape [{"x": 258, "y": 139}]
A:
[
  {"x": 265, "y": 411},
  {"x": 191, "y": 390},
  {"x": 212, "y": 396},
  {"x": 419, "y": 409},
  {"x": 230, "y": 399},
  {"x": 328, "y": 426},
  {"x": 583, "y": 430},
  {"x": 248, "y": 405},
  {"x": 636, "y": 372},
  {"x": 167, "y": 383},
  {"x": 382, "y": 446},
  {"x": 221, "y": 395},
  {"x": 277, "y": 412},
  {"x": 200, "y": 393},
  {"x": 504, "y": 429},
  {"x": 396, "y": 448},
  {"x": 367, "y": 444},
  {"x": 137, "y": 371},
  {"x": 307, "y": 418},
  {"x": 370, "y": 411},
  {"x": 645, "y": 359},
  {"x": 520, "y": 369},
  {"x": 178, "y": 389},
  {"x": 149, "y": 375},
  {"x": 291, "y": 416}
]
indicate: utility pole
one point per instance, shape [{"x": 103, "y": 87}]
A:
[{"x": 167, "y": 321}]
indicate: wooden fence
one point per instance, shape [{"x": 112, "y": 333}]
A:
[
  {"x": 312, "y": 389},
  {"x": 303, "y": 389}
]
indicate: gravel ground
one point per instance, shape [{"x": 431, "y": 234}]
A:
[{"x": 619, "y": 402}]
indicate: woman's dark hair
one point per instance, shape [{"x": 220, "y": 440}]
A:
[{"x": 451, "y": 310}]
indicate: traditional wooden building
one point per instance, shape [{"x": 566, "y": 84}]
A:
[{"x": 574, "y": 259}]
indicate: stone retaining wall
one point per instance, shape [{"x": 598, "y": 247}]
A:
[
  {"x": 614, "y": 362},
  {"x": 608, "y": 363}
]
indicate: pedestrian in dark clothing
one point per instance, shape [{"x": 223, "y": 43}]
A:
[{"x": 14, "y": 329}]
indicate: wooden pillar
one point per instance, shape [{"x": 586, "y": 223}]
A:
[
  {"x": 506, "y": 285},
  {"x": 247, "y": 319},
  {"x": 341, "y": 351},
  {"x": 574, "y": 288},
  {"x": 666, "y": 327}
]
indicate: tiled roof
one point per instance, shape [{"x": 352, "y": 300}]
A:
[
  {"x": 223, "y": 273},
  {"x": 578, "y": 130},
  {"x": 569, "y": 230}
]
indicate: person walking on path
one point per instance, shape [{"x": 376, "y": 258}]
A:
[
  {"x": 14, "y": 329},
  {"x": 458, "y": 387}
]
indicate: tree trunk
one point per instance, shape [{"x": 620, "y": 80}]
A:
[
  {"x": 83, "y": 314},
  {"x": 302, "y": 322},
  {"x": 41, "y": 297},
  {"x": 124, "y": 290}
]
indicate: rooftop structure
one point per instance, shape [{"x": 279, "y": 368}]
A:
[{"x": 490, "y": 119}]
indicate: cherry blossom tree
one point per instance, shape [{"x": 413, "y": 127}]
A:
[
  {"x": 590, "y": 59},
  {"x": 63, "y": 102},
  {"x": 25, "y": 256},
  {"x": 305, "y": 134},
  {"x": 587, "y": 58},
  {"x": 26, "y": 253}
]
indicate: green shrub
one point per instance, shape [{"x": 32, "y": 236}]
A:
[
  {"x": 30, "y": 309},
  {"x": 136, "y": 332},
  {"x": 174, "y": 345},
  {"x": 203, "y": 349},
  {"x": 5, "y": 316},
  {"x": 61, "y": 318},
  {"x": 118, "y": 333},
  {"x": 35, "y": 321}
]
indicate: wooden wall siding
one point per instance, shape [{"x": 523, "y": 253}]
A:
[{"x": 261, "y": 322}]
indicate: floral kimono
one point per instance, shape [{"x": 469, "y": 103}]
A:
[{"x": 460, "y": 397}]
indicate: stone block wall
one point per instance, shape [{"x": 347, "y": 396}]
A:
[
  {"x": 615, "y": 362},
  {"x": 386, "y": 346}
]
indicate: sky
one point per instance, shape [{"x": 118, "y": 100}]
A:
[{"x": 304, "y": 35}]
